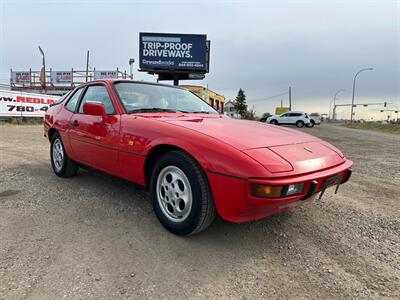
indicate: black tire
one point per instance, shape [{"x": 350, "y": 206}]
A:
[
  {"x": 202, "y": 210},
  {"x": 311, "y": 124},
  {"x": 300, "y": 124},
  {"x": 273, "y": 122},
  {"x": 68, "y": 167}
]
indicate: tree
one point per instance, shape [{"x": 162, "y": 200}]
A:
[
  {"x": 240, "y": 104},
  {"x": 250, "y": 114}
]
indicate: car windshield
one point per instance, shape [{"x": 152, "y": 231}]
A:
[
  {"x": 62, "y": 98},
  {"x": 143, "y": 98}
]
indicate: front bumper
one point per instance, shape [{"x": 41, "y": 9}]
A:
[{"x": 234, "y": 200}]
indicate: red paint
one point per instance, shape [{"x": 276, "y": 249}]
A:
[{"x": 232, "y": 153}]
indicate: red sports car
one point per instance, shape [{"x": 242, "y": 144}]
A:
[{"x": 195, "y": 161}]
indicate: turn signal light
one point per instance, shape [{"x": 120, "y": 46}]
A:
[{"x": 267, "y": 191}]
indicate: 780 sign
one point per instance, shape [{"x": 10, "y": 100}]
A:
[
  {"x": 17, "y": 104},
  {"x": 22, "y": 108}
]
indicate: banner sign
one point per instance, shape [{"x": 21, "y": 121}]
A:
[
  {"x": 21, "y": 77},
  {"x": 61, "y": 76},
  {"x": 105, "y": 74},
  {"x": 17, "y": 104},
  {"x": 167, "y": 51}
]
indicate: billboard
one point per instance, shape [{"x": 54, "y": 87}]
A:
[
  {"x": 61, "y": 76},
  {"x": 20, "y": 77},
  {"x": 17, "y": 104},
  {"x": 105, "y": 74},
  {"x": 281, "y": 110},
  {"x": 170, "y": 51}
]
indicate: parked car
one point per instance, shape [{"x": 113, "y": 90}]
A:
[
  {"x": 314, "y": 120},
  {"x": 298, "y": 118},
  {"x": 195, "y": 162}
]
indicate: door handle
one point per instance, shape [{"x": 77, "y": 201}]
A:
[{"x": 75, "y": 123}]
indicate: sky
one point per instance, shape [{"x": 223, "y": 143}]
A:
[{"x": 263, "y": 47}]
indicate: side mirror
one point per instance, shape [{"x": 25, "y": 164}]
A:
[{"x": 94, "y": 109}]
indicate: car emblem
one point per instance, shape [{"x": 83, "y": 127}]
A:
[{"x": 309, "y": 150}]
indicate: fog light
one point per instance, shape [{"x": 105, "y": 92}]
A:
[
  {"x": 293, "y": 189},
  {"x": 267, "y": 191}
]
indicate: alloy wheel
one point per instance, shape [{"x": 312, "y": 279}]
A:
[{"x": 174, "y": 194}]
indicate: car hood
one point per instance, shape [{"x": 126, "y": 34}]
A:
[
  {"x": 240, "y": 134},
  {"x": 278, "y": 149}
]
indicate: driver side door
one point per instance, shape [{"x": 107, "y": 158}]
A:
[
  {"x": 284, "y": 119},
  {"x": 94, "y": 139}
]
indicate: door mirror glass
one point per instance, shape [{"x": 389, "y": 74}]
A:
[{"x": 94, "y": 109}]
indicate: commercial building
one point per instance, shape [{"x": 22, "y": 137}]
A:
[{"x": 214, "y": 99}]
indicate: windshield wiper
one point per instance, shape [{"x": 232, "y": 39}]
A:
[
  {"x": 154, "y": 109},
  {"x": 201, "y": 112}
]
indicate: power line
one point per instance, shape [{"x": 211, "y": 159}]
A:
[{"x": 270, "y": 97}]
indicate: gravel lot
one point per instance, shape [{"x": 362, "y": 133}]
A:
[{"x": 95, "y": 237}]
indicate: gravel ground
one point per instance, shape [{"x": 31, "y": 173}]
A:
[{"x": 95, "y": 237}]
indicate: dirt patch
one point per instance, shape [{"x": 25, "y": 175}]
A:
[{"x": 96, "y": 237}]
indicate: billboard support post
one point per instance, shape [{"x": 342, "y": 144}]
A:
[
  {"x": 290, "y": 98},
  {"x": 176, "y": 80}
]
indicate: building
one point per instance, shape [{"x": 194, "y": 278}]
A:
[
  {"x": 230, "y": 109},
  {"x": 214, "y": 99}
]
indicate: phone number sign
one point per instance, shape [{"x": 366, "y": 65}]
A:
[{"x": 15, "y": 104}]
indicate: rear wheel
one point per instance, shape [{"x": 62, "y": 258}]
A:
[
  {"x": 180, "y": 194},
  {"x": 300, "y": 124},
  {"x": 274, "y": 122},
  {"x": 62, "y": 165}
]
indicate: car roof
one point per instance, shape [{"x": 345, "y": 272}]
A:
[{"x": 117, "y": 80}]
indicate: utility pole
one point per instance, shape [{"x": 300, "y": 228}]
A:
[
  {"x": 354, "y": 88},
  {"x": 290, "y": 98}
]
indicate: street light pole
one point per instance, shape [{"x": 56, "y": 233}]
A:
[
  {"x": 354, "y": 87},
  {"x": 43, "y": 70},
  {"x": 131, "y": 62},
  {"x": 334, "y": 103}
]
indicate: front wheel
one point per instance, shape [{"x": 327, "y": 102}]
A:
[
  {"x": 274, "y": 122},
  {"x": 180, "y": 194},
  {"x": 62, "y": 165}
]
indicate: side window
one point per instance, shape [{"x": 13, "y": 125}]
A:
[
  {"x": 74, "y": 100},
  {"x": 295, "y": 115},
  {"x": 97, "y": 94},
  {"x": 285, "y": 115}
]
